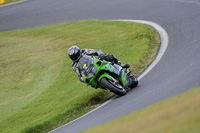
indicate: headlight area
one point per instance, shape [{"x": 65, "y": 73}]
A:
[
  {"x": 90, "y": 75},
  {"x": 94, "y": 69},
  {"x": 92, "y": 72}
]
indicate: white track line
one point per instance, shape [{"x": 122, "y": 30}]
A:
[
  {"x": 13, "y": 3},
  {"x": 83, "y": 115},
  {"x": 163, "y": 46}
]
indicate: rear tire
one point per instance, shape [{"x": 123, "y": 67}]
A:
[
  {"x": 113, "y": 88},
  {"x": 134, "y": 81}
]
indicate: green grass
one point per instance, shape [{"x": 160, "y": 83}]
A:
[
  {"x": 179, "y": 114},
  {"x": 10, "y": 1},
  {"x": 38, "y": 88}
]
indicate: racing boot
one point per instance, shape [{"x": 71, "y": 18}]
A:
[{"x": 125, "y": 65}]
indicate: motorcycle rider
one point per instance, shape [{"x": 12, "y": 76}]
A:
[{"x": 75, "y": 54}]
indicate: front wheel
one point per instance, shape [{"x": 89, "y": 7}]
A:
[{"x": 113, "y": 87}]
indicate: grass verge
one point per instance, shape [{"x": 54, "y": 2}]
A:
[
  {"x": 9, "y": 1},
  {"x": 39, "y": 90},
  {"x": 179, "y": 114}
]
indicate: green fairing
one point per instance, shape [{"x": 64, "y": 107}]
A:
[
  {"x": 105, "y": 75},
  {"x": 123, "y": 77},
  {"x": 104, "y": 69}
]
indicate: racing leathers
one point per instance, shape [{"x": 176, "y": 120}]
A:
[{"x": 92, "y": 52}]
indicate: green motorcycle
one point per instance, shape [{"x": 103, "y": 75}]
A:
[{"x": 105, "y": 75}]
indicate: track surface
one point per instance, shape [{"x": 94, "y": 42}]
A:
[{"x": 177, "y": 71}]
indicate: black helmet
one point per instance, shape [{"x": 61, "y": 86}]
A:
[{"x": 74, "y": 53}]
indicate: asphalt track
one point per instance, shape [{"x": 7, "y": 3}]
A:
[{"x": 176, "y": 72}]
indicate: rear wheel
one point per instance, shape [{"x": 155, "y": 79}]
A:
[
  {"x": 134, "y": 81},
  {"x": 113, "y": 86}
]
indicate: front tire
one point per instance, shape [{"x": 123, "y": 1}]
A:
[{"x": 113, "y": 88}]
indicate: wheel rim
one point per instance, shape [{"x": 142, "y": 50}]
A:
[{"x": 116, "y": 84}]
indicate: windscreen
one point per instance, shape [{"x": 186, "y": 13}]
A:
[{"x": 85, "y": 64}]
